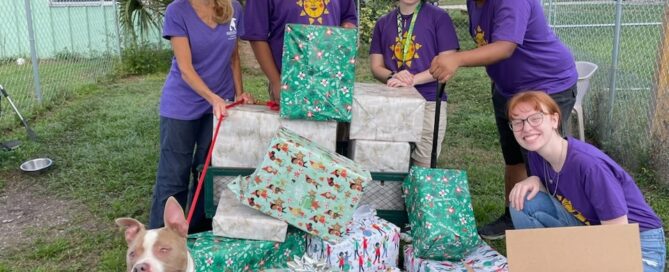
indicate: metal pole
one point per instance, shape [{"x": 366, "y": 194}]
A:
[
  {"x": 33, "y": 51},
  {"x": 118, "y": 28},
  {"x": 614, "y": 67}
]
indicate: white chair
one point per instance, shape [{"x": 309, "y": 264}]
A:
[{"x": 585, "y": 71}]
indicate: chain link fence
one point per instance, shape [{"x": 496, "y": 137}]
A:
[
  {"x": 623, "y": 38},
  {"x": 50, "y": 47}
]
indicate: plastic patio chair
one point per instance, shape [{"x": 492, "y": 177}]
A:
[{"x": 585, "y": 71}]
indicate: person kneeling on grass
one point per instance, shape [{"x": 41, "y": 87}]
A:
[{"x": 573, "y": 183}]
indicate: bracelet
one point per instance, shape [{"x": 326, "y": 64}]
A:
[{"x": 392, "y": 73}]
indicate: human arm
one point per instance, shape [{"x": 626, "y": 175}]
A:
[
  {"x": 444, "y": 66},
  {"x": 616, "y": 221},
  {"x": 236, "y": 66},
  {"x": 182, "y": 53},
  {"x": 263, "y": 54},
  {"x": 526, "y": 189},
  {"x": 349, "y": 16}
]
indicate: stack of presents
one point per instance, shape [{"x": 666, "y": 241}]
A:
[{"x": 307, "y": 208}]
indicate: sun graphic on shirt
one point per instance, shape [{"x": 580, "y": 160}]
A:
[
  {"x": 314, "y": 9},
  {"x": 398, "y": 50},
  {"x": 480, "y": 37}
]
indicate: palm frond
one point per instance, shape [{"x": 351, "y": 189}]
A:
[{"x": 139, "y": 17}]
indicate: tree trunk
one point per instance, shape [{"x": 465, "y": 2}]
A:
[{"x": 660, "y": 121}]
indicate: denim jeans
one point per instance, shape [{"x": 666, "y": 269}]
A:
[
  {"x": 544, "y": 211},
  {"x": 183, "y": 147}
]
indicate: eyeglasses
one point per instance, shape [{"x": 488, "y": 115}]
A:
[{"x": 534, "y": 120}]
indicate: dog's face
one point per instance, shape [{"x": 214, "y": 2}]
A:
[{"x": 158, "y": 250}]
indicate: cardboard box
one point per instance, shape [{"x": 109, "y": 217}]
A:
[
  {"x": 608, "y": 248},
  {"x": 381, "y": 156}
]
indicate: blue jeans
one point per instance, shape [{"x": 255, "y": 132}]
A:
[
  {"x": 544, "y": 211},
  {"x": 183, "y": 147}
]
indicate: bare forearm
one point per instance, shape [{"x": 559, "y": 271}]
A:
[
  {"x": 263, "y": 54},
  {"x": 423, "y": 77},
  {"x": 197, "y": 84},
  {"x": 616, "y": 221},
  {"x": 486, "y": 55},
  {"x": 237, "y": 72},
  {"x": 379, "y": 70}
]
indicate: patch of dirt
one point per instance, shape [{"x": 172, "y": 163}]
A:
[
  {"x": 247, "y": 57},
  {"x": 28, "y": 209}
]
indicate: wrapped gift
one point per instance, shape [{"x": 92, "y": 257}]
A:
[
  {"x": 245, "y": 134},
  {"x": 214, "y": 253},
  {"x": 381, "y": 156},
  {"x": 234, "y": 220},
  {"x": 305, "y": 185},
  {"x": 482, "y": 259},
  {"x": 318, "y": 72},
  {"x": 441, "y": 214},
  {"x": 382, "y": 113},
  {"x": 370, "y": 242}
]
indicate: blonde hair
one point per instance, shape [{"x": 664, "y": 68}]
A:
[{"x": 222, "y": 11}]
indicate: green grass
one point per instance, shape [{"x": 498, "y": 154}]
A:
[{"x": 104, "y": 140}]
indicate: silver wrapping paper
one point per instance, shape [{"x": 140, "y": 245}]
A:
[
  {"x": 386, "y": 114},
  {"x": 245, "y": 134},
  {"x": 381, "y": 156}
]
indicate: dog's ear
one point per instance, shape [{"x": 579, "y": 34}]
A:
[
  {"x": 174, "y": 217},
  {"x": 132, "y": 228}
]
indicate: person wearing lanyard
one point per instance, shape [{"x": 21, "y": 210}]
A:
[
  {"x": 520, "y": 53},
  {"x": 266, "y": 21},
  {"x": 403, "y": 44}
]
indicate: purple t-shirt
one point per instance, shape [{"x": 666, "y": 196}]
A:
[
  {"x": 211, "y": 50},
  {"x": 593, "y": 187},
  {"x": 540, "y": 61},
  {"x": 433, "y": 33},
  {"x": 271, "y": 16}
]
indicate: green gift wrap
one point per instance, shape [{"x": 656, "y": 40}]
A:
[
  {"x": 318, "y": 72},
  {"x": 220, "y": 254},
  {"x": 441, "y": 214},
  {"x": 305, "y": 185}
]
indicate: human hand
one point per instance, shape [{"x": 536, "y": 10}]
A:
[
  {"x": 395, "y": 83},
  {"x": 526, "y": 189},
  {"x": 219, "y": 107},
  {"x": 348, "y": 25},
  {"x": 443, "y": 67},
  {"x": 245, "y": 97},
  {"x": 404, "y": 76}
]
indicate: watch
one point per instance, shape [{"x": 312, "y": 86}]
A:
[{"x": 392, "y": 73}]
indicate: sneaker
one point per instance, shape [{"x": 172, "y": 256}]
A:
[{"x": 497, "y": 228}]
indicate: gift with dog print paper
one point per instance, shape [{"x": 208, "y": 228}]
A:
[
  {"x": 247, "y": 129},
  {"x": 318, "y": 72},
  {"x": 370, "y": 243},
  {"x": 216, "y": 254},
  {"x": 382, "y": 113},
  {"x": 482, "y": 259},
  {"x": 440, "y": 213},
  {"x": 305, "y": 185}
]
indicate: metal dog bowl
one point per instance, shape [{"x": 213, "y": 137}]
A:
[{"x": 36, "y": 165}]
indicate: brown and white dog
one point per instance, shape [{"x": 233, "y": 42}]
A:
[{"x": 158, "y": 250}]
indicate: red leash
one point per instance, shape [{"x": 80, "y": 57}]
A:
[{"x": 206, "y": 164}]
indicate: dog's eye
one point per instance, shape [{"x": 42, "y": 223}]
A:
[
  {"x": 165, "y": 249},
  {"x": 131, "y": 254}
]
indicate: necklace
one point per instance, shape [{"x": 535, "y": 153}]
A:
[
  {"x": 557, "y": 174},
  {"x": 409, "y": 33}
]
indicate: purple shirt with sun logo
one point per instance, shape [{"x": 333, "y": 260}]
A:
[
  {"x": 433, "y": 33},
  {"x": 540, "y": 61},
  {"x": 267, "y": 19}
]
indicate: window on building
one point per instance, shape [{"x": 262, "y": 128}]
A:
[{"x": 80, "y": 2}]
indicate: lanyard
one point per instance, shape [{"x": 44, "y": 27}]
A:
[{"x": 407, "y": 40}]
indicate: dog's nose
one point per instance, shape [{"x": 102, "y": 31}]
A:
[{"x": 141, "y": 267}]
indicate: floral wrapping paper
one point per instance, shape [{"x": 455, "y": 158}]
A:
[
  {"x": 382, "y": 113},
  {"x": 318, "y": 72},
  {"x": 482, "y": 259},
  {"x": 305, "y": 185},
  {"x": 381, "y": 156},
  {"x": 370, "y": 244},
  {"x": 440, "y": 213},
  {"x": 235, "y": 220},
  {"x": 220, "y": 254},
  {"x": 245, "y": 133}
]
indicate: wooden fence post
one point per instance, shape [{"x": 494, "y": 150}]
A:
[{"x": 660, "y": 118}]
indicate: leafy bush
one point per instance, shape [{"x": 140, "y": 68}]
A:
[
  {"x": 370, "y": 11},
  {"x": 144, "y": 58}
]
